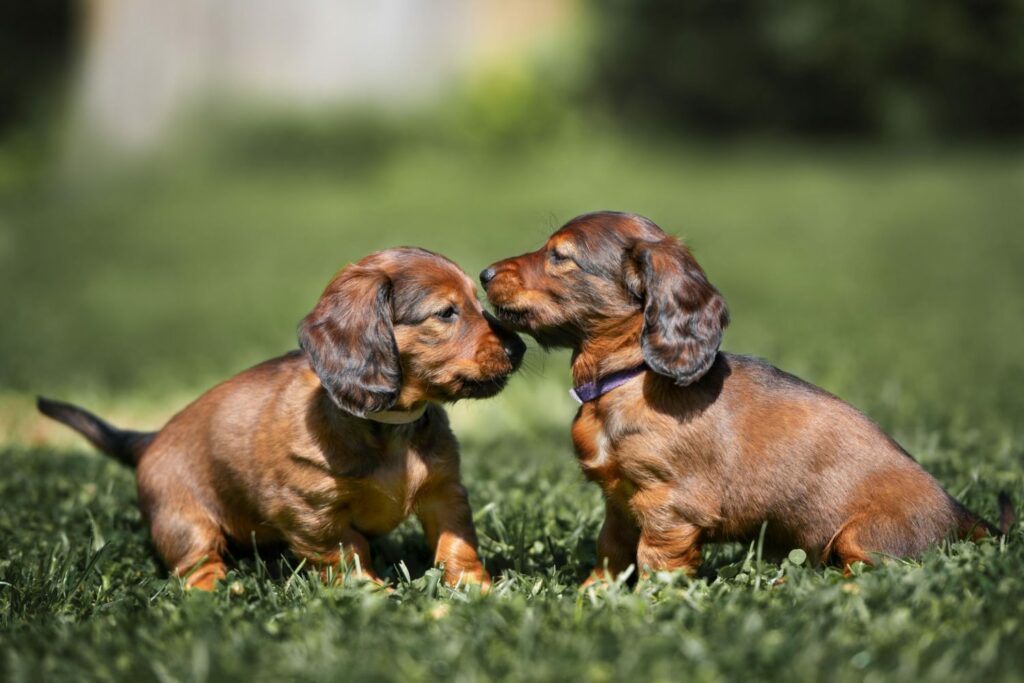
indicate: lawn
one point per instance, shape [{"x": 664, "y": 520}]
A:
[{"x": 892, "y": 278}]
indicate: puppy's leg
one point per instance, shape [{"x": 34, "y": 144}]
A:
[
  {"x": 616, "y": 545},
  {"x": 845, "y": 548},
  {"x": 191, "y": 545},
  {"x": 447, "y": 523},
  {"x": 188, "y": 537},
  {"x": 864, "y": 536},
  {"x": 669, "y": 546},
  {"x": 349, "y": 548}
]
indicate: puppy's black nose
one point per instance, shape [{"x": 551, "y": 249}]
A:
[{"x": 487, "y": 274}]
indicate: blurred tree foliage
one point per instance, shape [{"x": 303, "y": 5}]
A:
[
  {"x": 36, "y": 43},
  {"x": 912, "y": 68}
]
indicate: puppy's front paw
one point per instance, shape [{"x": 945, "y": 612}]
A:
[{"x": 477, "y": 575}]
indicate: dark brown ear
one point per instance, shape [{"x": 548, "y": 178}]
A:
[
  {"x": 684, "y": 315},
  {"x": 351, "y": 343}
]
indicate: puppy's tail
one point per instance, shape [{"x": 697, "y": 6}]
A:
[
  {"x": 123, "y": 445},
  {"x": 1007, "y": 517}
]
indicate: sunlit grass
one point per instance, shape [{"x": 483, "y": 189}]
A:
[{"x": 892, "y": 279}]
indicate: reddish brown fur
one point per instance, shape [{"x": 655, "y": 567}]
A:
[
  {"x": 706, "y": 446},
  {"x": 269, "y": 456}
]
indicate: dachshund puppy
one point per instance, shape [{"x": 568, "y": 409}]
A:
[
  {"x": 690, "y": 445},
  {"x": 324, "y": 447}
]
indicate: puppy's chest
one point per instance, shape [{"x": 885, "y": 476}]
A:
[
  {"x": 604, "y": 456},
  {"x": 381, "y": 494},
  {"x": 390, "y": 491}
]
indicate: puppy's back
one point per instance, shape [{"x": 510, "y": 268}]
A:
[{"x": 825, "y": 462}]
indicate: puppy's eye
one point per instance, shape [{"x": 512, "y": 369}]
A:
[
  {"x": 449, "y": 314},
  {"x": 557, "y": 258}
]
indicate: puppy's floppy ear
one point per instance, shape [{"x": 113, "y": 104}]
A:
[
  {"x": 350, "y": 341},
  {"x": 684, "y": 315}
]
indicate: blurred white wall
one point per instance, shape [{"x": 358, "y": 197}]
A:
[{"x": 144, "y": 59}]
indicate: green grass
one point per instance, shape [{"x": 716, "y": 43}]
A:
[{"x": 893, "y": 279}]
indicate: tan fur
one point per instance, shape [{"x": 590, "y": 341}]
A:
[
  {"x": 740, "y": 445},
  {"x": 268, "y": 456}
]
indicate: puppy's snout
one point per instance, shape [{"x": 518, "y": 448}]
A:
[
  {"x": 487, "y": 274},
  {"x": 511, "y": 344}
]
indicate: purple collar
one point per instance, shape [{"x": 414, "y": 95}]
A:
[{"x": 601, "y": 386}]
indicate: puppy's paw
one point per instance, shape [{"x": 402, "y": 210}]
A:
[
  {"x": 465, "y": 577},
  {"x": 598, "y": 579}
]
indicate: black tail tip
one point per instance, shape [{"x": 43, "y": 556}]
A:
[{"x": 46, "y": 406}]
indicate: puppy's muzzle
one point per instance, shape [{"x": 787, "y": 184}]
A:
[{"x": 511, "y": 344}]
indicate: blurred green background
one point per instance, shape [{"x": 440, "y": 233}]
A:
[
  {"x": 848, "y": 173},
  {"x": 178, "y": 181}
]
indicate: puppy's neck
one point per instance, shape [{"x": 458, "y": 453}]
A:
[
  {"x": 398, "y": 417},
  {"x": 612, "y": 346},
  {"x": 334, "y": 418}
]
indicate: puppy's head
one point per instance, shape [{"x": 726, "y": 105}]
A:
[
  {"x": 404, "y": 326},
  {"x": 614, "y": 271}
]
